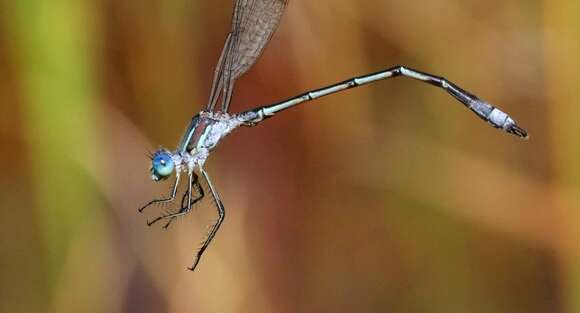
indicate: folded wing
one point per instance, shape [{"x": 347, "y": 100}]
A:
[{"x": 253, "y": 24}]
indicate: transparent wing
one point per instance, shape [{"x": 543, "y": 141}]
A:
[
  {"x": 253, "y": 24},
  {"x": 257, "y": 23}
]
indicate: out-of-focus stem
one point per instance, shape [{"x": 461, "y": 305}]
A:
[
  {"x": 562, "y": 64},
  {"x": 53, "y": 43}
]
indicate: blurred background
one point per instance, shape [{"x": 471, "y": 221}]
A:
[{"x": 387, "y": 198}]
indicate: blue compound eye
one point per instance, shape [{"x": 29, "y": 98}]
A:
[{"x": 161, "y": 165}]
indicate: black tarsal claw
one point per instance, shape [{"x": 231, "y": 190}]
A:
[{"x": 149, "y": 223}]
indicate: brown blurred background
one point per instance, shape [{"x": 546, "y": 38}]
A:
[{"x": 387, "y": 198}]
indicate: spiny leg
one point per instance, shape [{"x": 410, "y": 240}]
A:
[
  {"x": 188, "y": 192},
  {"x": 185, "y": 209},
  {"x": 215, "y": 227},
  {"x": 484, "y": 110},
  {"x": 171, "y": 197}
]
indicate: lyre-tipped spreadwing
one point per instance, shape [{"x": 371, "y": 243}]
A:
[{"x": 254, "y": 22}]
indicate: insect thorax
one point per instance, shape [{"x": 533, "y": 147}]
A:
[{"x": 204, "y": 133}]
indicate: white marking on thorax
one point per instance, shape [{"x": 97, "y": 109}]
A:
[{"x": 218, "y": 126}]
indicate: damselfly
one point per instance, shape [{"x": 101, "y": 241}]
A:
[{"x": 254, "y": 22}]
